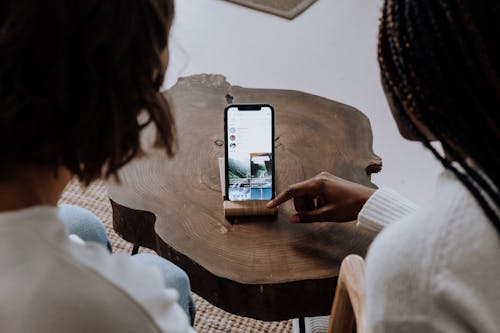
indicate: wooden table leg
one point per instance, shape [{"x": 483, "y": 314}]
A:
[
  {"x": 302, "y": 325},
  {"x": 135, "y": 250}
]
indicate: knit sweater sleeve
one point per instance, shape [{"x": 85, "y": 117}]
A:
[{"x": 384, "y": 207}]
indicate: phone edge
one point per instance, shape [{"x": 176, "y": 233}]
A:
[{"x": 226, "y": 148}]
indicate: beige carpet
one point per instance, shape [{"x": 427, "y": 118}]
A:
[
  {"x": 209, "y": 318},
  {"x": 286, "y": 8}
]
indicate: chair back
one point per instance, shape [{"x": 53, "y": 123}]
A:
[{"x": 348, "y": 304}]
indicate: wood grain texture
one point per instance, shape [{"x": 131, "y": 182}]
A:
[
  {"x": 260, "y": 267},
  {"x": 348, "y": 305},
  {"x": 247, "y": 208}
]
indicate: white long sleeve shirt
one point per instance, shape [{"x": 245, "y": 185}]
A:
[
  {"x": 432, "y": 269},
  {"x": 51, "y": 284}
]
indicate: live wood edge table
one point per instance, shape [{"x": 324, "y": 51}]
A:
[{"x": 260, "y": 267}]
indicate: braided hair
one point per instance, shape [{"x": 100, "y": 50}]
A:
[{"x": 440, "y": 66}]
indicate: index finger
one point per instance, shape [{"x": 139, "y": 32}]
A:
[{"x": 308, "y": 187}]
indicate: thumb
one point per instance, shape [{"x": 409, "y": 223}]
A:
[{"x": 309, "y": 216}]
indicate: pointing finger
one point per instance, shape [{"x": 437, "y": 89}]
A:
[{"x": 308, "y": 187}]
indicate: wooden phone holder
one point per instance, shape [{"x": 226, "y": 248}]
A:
[{"x": 242, "y": 208}]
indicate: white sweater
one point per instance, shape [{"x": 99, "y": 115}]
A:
[
  {"x": 436, "y": 268},
  {"x": 50, "y": 284}
]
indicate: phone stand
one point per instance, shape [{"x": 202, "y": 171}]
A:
[{"x": 242, "y": 208}]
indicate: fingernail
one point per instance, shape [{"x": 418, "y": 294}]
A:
[
  {"x": 295, "y": 219},
  {"x": 270, "y": 204}
]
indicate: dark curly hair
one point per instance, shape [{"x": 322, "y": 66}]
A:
[
  {"x": 74, "y": 76},
  {"x": 440, "y": 63}
]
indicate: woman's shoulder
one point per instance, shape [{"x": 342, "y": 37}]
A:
[
  {"x": 443, "y": 227},
  {"x": 138, "y": 286},
  {"x": 139, "y": 282},
  {"x": 434, "y": 257}
]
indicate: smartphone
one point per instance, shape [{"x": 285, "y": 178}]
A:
[{"x": 249, "y": 152}]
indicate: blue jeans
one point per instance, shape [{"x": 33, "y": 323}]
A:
[{"x": 89, "y": 227}]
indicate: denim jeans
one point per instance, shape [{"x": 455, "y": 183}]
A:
[{"x": 89, "y": 228}]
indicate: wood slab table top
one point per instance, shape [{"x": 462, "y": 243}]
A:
[{"x": 260, "y": 267}]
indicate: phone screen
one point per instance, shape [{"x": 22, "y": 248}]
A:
[{"x": 249, "y": 152}]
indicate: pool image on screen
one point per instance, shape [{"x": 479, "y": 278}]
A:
[
  {"x": 250, "y": 158},
  {"x": 261, "y": 181},
  {"x": 251, "y": 179}
]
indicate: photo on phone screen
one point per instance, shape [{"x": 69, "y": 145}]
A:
[{"x": 249, "y": 152}]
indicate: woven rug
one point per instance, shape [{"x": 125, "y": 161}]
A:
[
  {"x": 286, "y": 8},
  {"x": 208, "y": 317}
]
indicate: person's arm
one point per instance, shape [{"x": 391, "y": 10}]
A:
[
  {"x": 328, "y": 198},
  {"x": 383, "y": 208}
]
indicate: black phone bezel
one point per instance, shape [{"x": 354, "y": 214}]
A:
[{"x": 247, "y": 107}]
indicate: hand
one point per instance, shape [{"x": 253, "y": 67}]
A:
[{"x": 324, "y": 198}]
